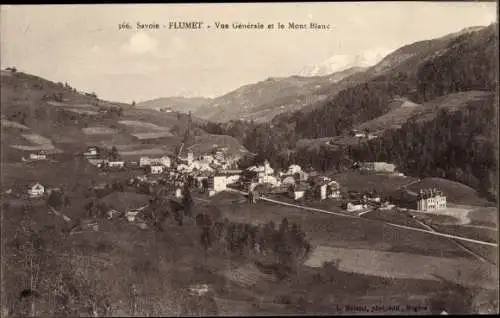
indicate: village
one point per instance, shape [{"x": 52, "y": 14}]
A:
[{"x": 215, "y": 172}]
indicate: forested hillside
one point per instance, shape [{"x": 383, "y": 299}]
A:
[
  {"x": 457, "y": 145},
  {"x": 419, "y": 72}
]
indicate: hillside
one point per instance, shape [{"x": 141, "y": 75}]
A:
[
  {"x": 263, "y": 100},
  {"x": 453, "y": 137},
  {"x": 176, "y": 104},
  {"x": 456, "y": 192},
  {"x": 420, "y": 72},
  {"x": 430, "y": 103},
  {"x": 38, "y": 114},
  {"x": 402, "y": 110}
]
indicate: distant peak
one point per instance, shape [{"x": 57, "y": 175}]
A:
[{"x": 341, "y": 62}]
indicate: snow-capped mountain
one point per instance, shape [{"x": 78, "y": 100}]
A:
[{"x": 342, "y": 62}]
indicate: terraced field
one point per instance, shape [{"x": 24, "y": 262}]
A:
[
  {"x": 12, "y": 124},
  {"x": 41, "y": 143},
  {"x": 142, "y": 126},
  {"x": 98, "y": 131}
]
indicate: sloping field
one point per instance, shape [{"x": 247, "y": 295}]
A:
[
  {"x": 207, "y": 143},
  {"x": 455, "y": 192},
  {"x": 487, "y": 216},
  {"x": 483, "y": 234},
  {"x": 144, "y": 130},
  {"x": 98, "y": 130},
  {"x": 37, "y": 139},
  {"x": 407, "y": 266},
  {"x": 153, "y": 135},
  {"x": 123, "y": 201},
  {"x": 81, "y": 111},
  {"x": 247, "y": 275},
  {"x": 115, "y": 140},
  {"x": 64, "y": 174},
  {"x": 142, "y": 126},
  {"x": 336, "y": 231},
  {"x": 230, "y": 307},
  {"x": 41, "y": 142},
  {"x": 82, "y": 105},
  {"x": 382, "y": 183},
  {"x": 57, "y": 104},
  {"x": 400, "y": 112},
  {"x": 13, "y": 124},
  {"x": 145, "y": 152},
  {"x": 451, "y": 102},
  {"x": 76, "y": 105}
]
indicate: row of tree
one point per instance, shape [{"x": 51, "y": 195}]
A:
[{"x": 284, "y": 246}]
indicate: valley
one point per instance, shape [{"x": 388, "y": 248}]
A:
[{"x": 368, "y": 190}]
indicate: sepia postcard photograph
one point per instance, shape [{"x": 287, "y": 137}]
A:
[{"x": 249, "y": 159}]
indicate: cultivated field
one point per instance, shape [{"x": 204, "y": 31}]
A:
[
  {"x": 336, "y": 231},
  {"x": 408, "y": 266},
  {"x": 401, "y": 111},
  {"x": 124, "y": 201},
  {"x": 383, "y": 183},
  {"x": 98, "y": 131},
  {"x": 41, "y": 142},
  {"x": 247, "y": 275},
  {"x": 206, "y": 143},
  {"x": 487, "y": 216},
  {"x": 142, "y": 126},
  {"x": 57, "y": 104},
  {"x": 450, "y": 215},
  {"x": 145, "y": 152},
  {"x": 81, "y": 111},
  {"x": 13, "y": 124},
  {"x": 76, "y": 105},
  {"x": 153, "y": 135}
]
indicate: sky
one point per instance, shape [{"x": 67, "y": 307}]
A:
[{"x": 82, "y": 45}]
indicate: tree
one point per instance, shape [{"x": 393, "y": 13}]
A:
[
  {"x": 283, "y": 227},
  {"x": 188, "y": 139},
  {"x": 133, "y": 103},
  {"x": 55, "y": 200},
  {"x": 187, "y": 199},
  {"x": 114, "y": 155},
  {"x": 207, "y": 235},
  {"x": 204, "y": 183}
]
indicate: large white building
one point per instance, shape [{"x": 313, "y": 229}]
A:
[
  {"x": 333, "y": 190},
  {"x": 217, "y": 183},
  {"x": 431, "y": 200},
  {"x": 156, "y": 169},
  {"x": 116, "y": 164}
]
